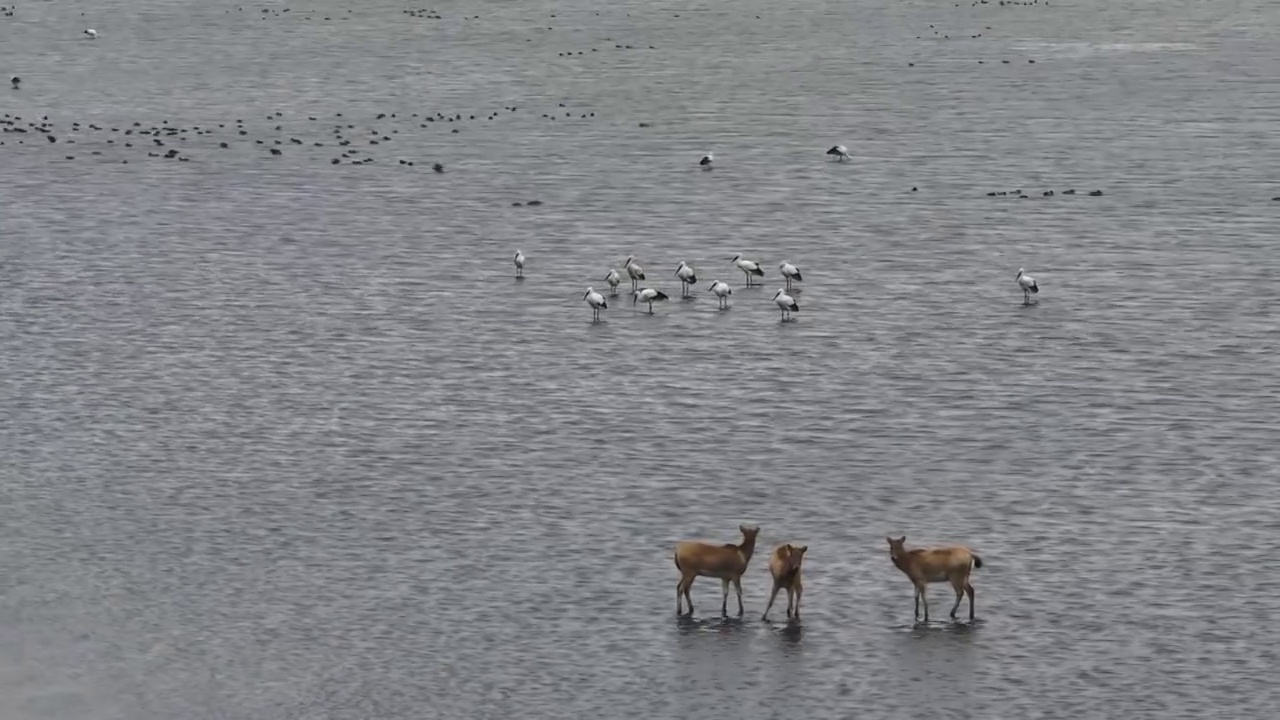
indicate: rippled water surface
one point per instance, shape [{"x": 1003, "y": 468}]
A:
[{"x": 286, "y": 439}]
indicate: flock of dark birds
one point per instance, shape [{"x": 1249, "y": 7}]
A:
[{"x": 343, "y": 141}]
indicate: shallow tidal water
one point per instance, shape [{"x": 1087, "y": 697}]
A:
[{"x": 284, "y": 438}]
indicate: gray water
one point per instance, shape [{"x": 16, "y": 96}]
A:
[{"x": 285, "y": 439}]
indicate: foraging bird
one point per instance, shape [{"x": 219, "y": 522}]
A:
[
  {"x": 790, "y": 272},
  {"x": 16, "y": 82},
  {"x": 91, "y": 34},
  {"x": 840, "y": 152},
  {"x": 722, "y": 291},
  {"x": 519, "y": 261},
  {"x": 748, "y": 267},
  {"x": 613, "y": 278},
  {"x": 1028, "y": 285},
  {"x": 596, "y": 301},
  {"x": 786, "y": 303},
  {"x": 687, "y": 278},
  {"x": 635, "y": 271},
  {"x": 706, "y": 161},
  {"x": 649, "y": 295}
]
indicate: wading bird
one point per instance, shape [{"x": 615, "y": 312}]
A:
[
  {"x": 748, "y": 267},
  {"x": 649, "y": 295},
  {"x": 687, "y": 278},
  {"x": 596, "y": 301},
  {"x": 635, "y": 271},
  {"x": 785, "y": 303},
  {"x": 613, "y": 278},
  {"x": 790, "y": 272},
  {"x": 1028, "y": 285},
  {"x": 722, "y": 291}
]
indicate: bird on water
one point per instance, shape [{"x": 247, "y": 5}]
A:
[
  {"x": 613, "y": 278},
  {"x": 519, "y": 262},
  {"x": 597, "y": 303},
  {"x": 1028, "y": 285},
  {"x": 687, "y": 278},
  {"x": 748, "y": 267},
  {"x": 649, "y": 295},
  {"x": 634, "y": 271},
  {"x": 722, "y": 291},
  {"x": 790, "y": 272},
  {"x": 785, "y": 303}
]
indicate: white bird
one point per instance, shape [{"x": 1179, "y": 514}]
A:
[
  {"x": 722, "y": 291},
  {"x": 790, "y": 272},
  {"x": 1028, "y": 285},
  {"x": 786, "y": 303},
  {"x": 649, "y": 295},
  {"x": 840, "y": 152},
  {"x": 596, "y": 301},
  {"x": 91, "y": 34},
  {"x": 706, "y": 161},
  {"x": 635, "y": 271},
  {"x": 613, "y": 278},
  {"x": 687, "y": 277},
  {"x": 748, "y": 267},
  {"x": 519, "y": 261}
]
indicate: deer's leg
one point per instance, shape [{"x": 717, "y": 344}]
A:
[
  {"x": 737, "y": 585},
  {"x": 969, "y": 589},
  {"x": 772, "y": 596},
  {"x": 799, "y": 594},
  {"x": 916, "y": 616},
  {"x": 724, "y": 604},
  {"x": 957, "y": 584},
  {"x": 924, "y": 600}
]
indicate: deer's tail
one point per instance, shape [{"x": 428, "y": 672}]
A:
[{"x": 977, "y": 561}]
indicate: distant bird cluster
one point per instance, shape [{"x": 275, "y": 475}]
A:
[
  {"x": 1046, "y": 193},
  {"x": 343, "y": 141},
  {"x": 288, "y": 12}
]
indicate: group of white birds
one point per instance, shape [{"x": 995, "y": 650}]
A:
[{"x": 689, "y": 277}]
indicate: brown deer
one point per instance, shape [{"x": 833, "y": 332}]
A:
[
  {"x": 727, "y": 562},
  {"x": 947, "y": 564},
  {"x": 784, "y": 565}
]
